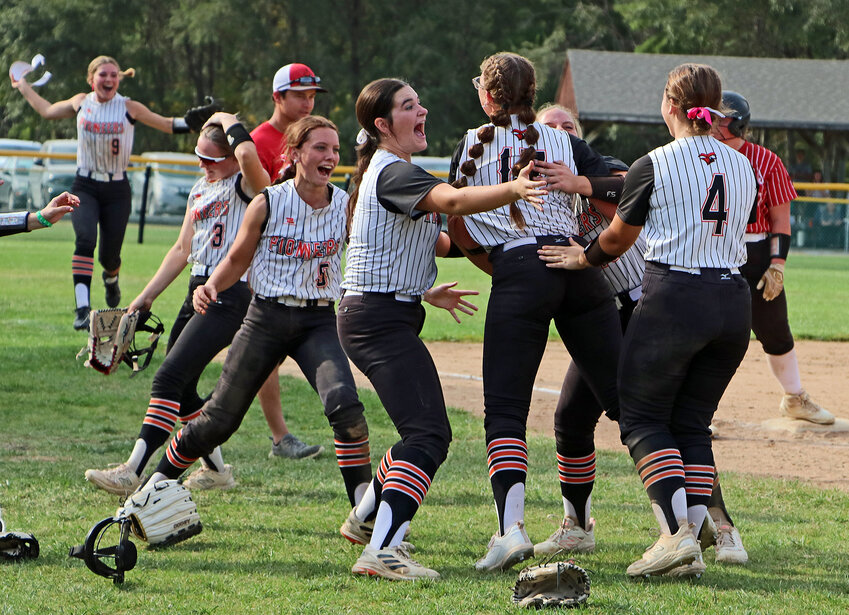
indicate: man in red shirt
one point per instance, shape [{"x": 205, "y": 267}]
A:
[{"x": 293, "y": 91}]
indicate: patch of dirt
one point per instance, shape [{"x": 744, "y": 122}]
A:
[{"x": 750, "y": 440}]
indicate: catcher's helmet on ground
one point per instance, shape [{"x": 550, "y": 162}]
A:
[{"x": 738, "y": 110}]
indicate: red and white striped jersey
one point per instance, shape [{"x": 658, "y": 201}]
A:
[{"x": 774, "y": 184}]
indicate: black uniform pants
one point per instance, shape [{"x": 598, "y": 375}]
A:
[
  {"x": 103, "y": 204},
  {"x": 270, "y": 333},
  {"x": 769, "y": 318},
  {"x": 381, "y": 336},
  {"x": 195, "y": 341},
  {"x": 684, "y": 343},
  {"x": 526, "y": 296}
]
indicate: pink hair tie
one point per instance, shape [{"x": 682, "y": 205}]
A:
[{"x": 703, "y": 113}]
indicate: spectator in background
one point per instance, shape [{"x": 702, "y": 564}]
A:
[{"x": 800, "y": 171}]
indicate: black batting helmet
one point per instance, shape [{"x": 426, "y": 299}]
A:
[{"x": 737, "y": 108}]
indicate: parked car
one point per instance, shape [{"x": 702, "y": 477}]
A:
[
  {"x": 50, "y": 177},
  {"x": 14, "y": 173},
  {"x": 172, "y": 175}
]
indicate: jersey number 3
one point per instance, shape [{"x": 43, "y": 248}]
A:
[{"x": 714, "y": 208}]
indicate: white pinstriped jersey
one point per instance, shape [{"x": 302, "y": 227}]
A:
[
  {"x": 694, "y": 196},
  {"x": 626, "y": 272},
  {"x": 217, "y": 210},
  {"x": 493, "y": 228},
  {"x": 389, "y": 251},
  {"x": 105, "y": 135},
  {"x": 299, "y": 253}
]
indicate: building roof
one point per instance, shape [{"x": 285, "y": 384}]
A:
[{"x": 608, "y": 86}]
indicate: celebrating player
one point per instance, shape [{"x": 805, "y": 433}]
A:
[
  {"x": 214, "y": 213},
  {"x": 767, "y": 245},
  {"x": 294, "y": 233},
  {"x": 105, "y": 125},
  {"x": 578, "y": 410},
  {"x": 293, "y": 91},
  {"x": 390, "y": 270},
  {"x": 527, "y": 295},
  {"x": 691, "y": 329},
  {"x": 24, "y": 221}
]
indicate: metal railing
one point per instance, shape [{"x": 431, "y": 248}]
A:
[{"x": 807, "y": 232}]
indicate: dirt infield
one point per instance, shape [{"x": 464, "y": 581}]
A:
[{"x": 751, "y": 439}]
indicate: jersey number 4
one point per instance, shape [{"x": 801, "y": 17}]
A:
[{"x": 714, "y": 208}]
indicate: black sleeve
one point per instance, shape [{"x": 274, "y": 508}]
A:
[
  {"x": 13, "y": 223},
  {"x": 639, "y": 183},
  {"x": 402, "y": 185},
  {"x": 614, "y": 164},
  {"x": 587, "y": 160},
  {"x": 454, "y": 170}
]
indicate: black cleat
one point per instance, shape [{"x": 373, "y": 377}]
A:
[
  {"x": 113, "y": 292},
  {"x": 81, "y": 319}
]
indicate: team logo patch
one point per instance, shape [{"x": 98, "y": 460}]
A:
[
  {"x": 290, "y": 221},
  {"x": 520, "y": 134},
  {"x": 708, "y": 158}
]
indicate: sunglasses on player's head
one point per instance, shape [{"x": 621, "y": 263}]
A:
[
  {"x": 209, "y": 159},
  {"x": 476, "y": 81},
  {"x": 307, "y": 80}
]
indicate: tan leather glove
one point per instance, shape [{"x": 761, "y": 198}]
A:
[{"x": 772, "y": 281}]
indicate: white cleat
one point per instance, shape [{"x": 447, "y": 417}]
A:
[
  {"x": 506, "y": 551},
  {"x": 568, "y": 538},
  {"x": 393, "y": 563},
  {"x": 804, "y": 408},
  {"x": 120, "y": 480},
  {"x": 207, "y": 478},
  {"x": 668, "y": 552},
  {"x": 729, "y": 546}
]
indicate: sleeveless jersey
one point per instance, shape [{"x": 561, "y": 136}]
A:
[
  {"x": 217, "y": 210},
  {"x": 389, "y": 252},
  {"x": 699, "y": 204},
  {"x": 493, "y": 228},
  {"x": 626, "y": 272},
  {"x": 299, "y": 252},
  {"x": 105, "y": 135}
]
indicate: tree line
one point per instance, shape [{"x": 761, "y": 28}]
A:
[{"x": 183, "y": 50}]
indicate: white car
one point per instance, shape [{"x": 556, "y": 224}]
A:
[
  {"x": 50, "y": 177},
  {"x": 14, "y": 173},
  {"x": 172, "y": 175}
]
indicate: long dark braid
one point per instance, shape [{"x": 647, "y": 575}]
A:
[{"x": 511, "y": 81}]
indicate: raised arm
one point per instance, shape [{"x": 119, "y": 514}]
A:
[
  {"x": 444, "y": 198},
  {"x": 50, "y": 111},
  {"x": 254, "y": 177}
]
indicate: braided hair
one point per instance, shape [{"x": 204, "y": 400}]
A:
[{"x": 510, "y": 80}]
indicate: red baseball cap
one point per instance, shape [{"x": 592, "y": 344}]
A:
[{"x": 296, "y": 77}]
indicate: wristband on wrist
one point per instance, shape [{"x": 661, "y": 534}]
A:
[
  {"x": 237, "y": 134},
  {"x": 43, "y": 220},
  {"x": 596, "y": 256},
  {"x": 779, "y": 245},
  {"x": 179, "y": 126},
  {"x": 607, "y": 188}
]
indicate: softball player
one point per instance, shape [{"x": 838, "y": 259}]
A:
[
  {"x": 578, "y": 410},
  {"x": 690, "y": 329},
  {"x": 526, "y": 295},
  {"x": 105, "y": 125},
  {"x": 390, "y": 270},
  {"x": 293, "y": 91},
  {"x": 293, "y": 232},
  {"x": 767, "y": 245},
  {"x": 214, "y": 214}
]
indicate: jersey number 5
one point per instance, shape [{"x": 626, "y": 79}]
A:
[
  {"x": 322, "y": 279},
  {"x": 714, "y": 208}
]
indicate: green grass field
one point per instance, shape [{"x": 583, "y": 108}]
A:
[{"x": 271, "y": 545}]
